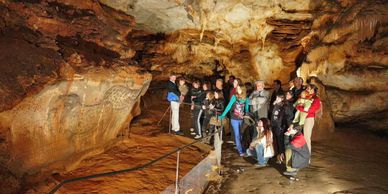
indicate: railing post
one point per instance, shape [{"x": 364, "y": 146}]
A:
[{"x": 177, "y": 173}]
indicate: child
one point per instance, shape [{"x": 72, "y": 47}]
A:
[
  {"x": 196, "y": 110},
  {"x": 297, "y": 152},
  {"x": 208, "y": 108},
  {"x": 277, "y": 121},
  {"x": 305, "y": 102},
  {"x": 262, "y": 147}
]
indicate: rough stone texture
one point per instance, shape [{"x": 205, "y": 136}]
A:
[
  {"x": 352, "y": 63},
  {"x": 68, "y": 84}
]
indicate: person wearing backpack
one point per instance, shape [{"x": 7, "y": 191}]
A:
[
  {"x": 297, "y": 152},
  {"x": 312, "y": 110},
  {"x": 174, "y": 97}
]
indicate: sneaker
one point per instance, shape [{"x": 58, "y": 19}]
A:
[
  {"x": 230, "y": 142},
  {"x": 178, "y": 133},
  {"x": 243, "y": 155},
  {"x": 197, "y": 137},
  {"x": 291, "y": 173},
  {"x": 193, "y": 133},
  {"x": 191, "y": 129},
  {"x": 260, "y": 165}
]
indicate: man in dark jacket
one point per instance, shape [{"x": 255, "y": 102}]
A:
[
  {"x": 297, "y": 152},
  {"x": 297, "y": 89},
  {"x": 173, "y": 96}
]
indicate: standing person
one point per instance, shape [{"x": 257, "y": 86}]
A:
[
  {"x": 220, "y": 88},
  {"x": 228, "y": 87},
  {"x": 174, "y": 96},
  {"x": 289, "y": 110},
  {"x": 196, "y": 101},
  {"x": 262, "y": 146},
  {"x": 183, "y": 88},
  {"x": 238, "y": 106},
  {"x": 297, "y": 153},
  {"x": 315, "y": 106},
  {"x": 277, "y": 117},
  {"x": 208, "y": 106},
  {"x": 277, "y": 89},
  {"x": 259, "y": 100},
  {"x": 298, "y": 88}
]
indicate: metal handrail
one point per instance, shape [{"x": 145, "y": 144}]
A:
[{"x": 137, "y": 168}]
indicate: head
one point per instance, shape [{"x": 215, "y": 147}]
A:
[
  {"x": 289, "y": 95},
  {"x": 173, "y": 77},
  {"x": 259, "y": 85},
  {"x": 304, "y": 94},
  {"x": 298, "y": 82},
  {"x": 237, "y": 82},
  {"x": 277, "y": 84},
  {"x": 295, "y": 130},
  {"x": 218, "y": 95},
  {"x": 312, "y": 89},
  {"x": 241, "y": 92},
  {"x": 182, "y": 81},
  {"x": 231, "y": 79},
  {"x": 219, "y": 83},
  {"x": 210, "y": 95},
  {"x": 279, "y": 98},
  {"x": 263, "y": 125},
  {"x": 206, "y": 86},
  {"x": 196, "y": 84}
]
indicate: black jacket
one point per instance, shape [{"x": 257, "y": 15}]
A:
[
  {"x": 277, "y": 118},
  {"x": 289, "y": 113},
  {"x": 296, "y": 93},
  {"x": 199, "y": 95},
  {"x": 172, "y": 87}
]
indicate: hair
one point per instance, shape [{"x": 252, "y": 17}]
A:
[
  {"x": 232, "y": 76},
  {"x": 281, "y": 95},
  {"x": 220, "y": 95},
  {"x": 220, "y": 79},
  {"x": 210, "y": 95},
  {"x": 301, "y": 79},
  {"x": 243, "y": 94},
  {"x": 207, "y": 85},
  {"x": 267, "y": 129},
  {"x": 181, "y": 79},
  {"x": 239, "y": 82},
  {"x": 278, "y": 82},
  {"x": 197, "y": 82},
  {"x": 314, "y": 87}
]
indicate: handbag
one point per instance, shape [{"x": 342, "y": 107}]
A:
[{"x": 216, "y": 121}]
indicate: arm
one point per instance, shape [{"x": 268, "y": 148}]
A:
[
  {"x": 231, "y": 102},
  {"x": 314, "y": 106}
]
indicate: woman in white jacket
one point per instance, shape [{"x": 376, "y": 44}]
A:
[{"x": 261, "y": 147}]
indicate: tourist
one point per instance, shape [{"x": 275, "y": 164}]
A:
[
  {"x": 315, "y": 106},
  {"x": 262, "y": 146},
  {"x": 183, "y": 88},
  {"x": 239, "y": 105},
  {"x": 289, "y": 110},
  {"x": 297, "y": 153},
  {"x": 277, "y": 89},
  {"x": 174, "y": 97},
  {"x": 297, "y": 89},
  {"x": 208, "y": 106},
  {"x": 278, "y": 128},
  {"x": 228, "y": 88},
  {"x": 259, "y": 100},
  {"x": 196, "y": 100},
  {"x": 304, "y": 101}
]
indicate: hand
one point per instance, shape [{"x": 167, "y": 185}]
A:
[
  {"x": 192, "y": 107},
  {"x": 203, "y": 107},
  {"x": 211, "y": 106}
]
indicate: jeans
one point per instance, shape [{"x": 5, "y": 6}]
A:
[
  {"x": 175, "y": 116},
  {"x": 236, "y": 124},
  {"x": 258, "y": 152}
]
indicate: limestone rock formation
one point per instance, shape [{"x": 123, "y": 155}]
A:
[{"x": 67, "y": 81}]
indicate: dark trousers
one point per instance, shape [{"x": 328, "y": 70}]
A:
[{"x": 196, "y": 120}]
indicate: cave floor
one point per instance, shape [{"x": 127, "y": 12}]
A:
[{"x": 349, "y": 161}]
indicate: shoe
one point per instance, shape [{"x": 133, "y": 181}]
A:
[
  {"x": 230, "y": 142},
  {"x": 243, "y": 155},
  {"x": 197, "y": 137},
  {"x": 260, "y": 165},
  {"x": 191, "y": 129},
  {"x": 291, "y": 173},
  {"x": 178, "y": 133},
  {"x": 193, "y": 133}
]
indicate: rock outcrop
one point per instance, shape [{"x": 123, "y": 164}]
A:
[{"x": 68, "y": 84}]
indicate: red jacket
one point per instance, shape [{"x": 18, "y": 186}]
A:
[{"x": 316, "y": 105}]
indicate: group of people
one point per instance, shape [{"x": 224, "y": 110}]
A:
[{"x": 283, "y": 120}]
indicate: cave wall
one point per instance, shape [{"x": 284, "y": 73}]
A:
[{"x": 68, "y": 84}]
